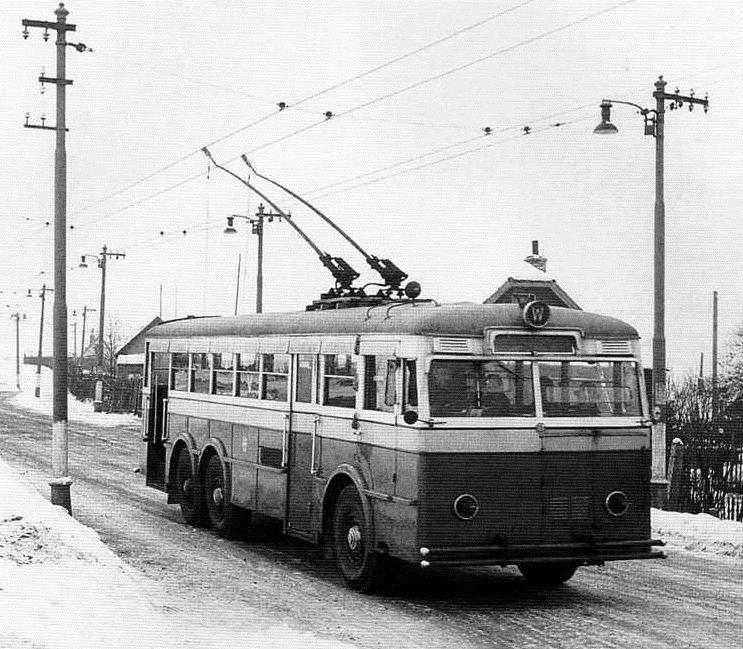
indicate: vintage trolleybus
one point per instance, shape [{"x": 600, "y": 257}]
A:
[{"x": 443, "y": 435}]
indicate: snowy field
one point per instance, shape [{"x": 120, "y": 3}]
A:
[
  {"x": 61, "y": 587},
  {"x": 77, "y": 410}
]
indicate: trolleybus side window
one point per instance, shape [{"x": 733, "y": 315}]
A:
[
  {"x": 589, "y": 389},
  {"x": 305, "y": 371},
  {"x": 248, "y": 375},
  {"x": 460, "y": 388},
  {"x": 223, "y": 374},
  {"x": 380, "y": 383},
  {"x": 339, "y": 381},
  {"x": 275, "y": 374},
  {"x": 179, "y": 372},
  {"x": 200, "y": 373}
]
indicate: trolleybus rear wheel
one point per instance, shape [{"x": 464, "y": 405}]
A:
[
  {"x": 187, "y": 489},
  {"x": 355, "y": 559},
  {"x": 219, "y": 511},
  {"x": 547, "y": 574}
]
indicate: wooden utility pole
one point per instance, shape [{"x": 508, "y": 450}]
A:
[
  {"x": 61, "y": 481},
  {"x": 42, "y": 294},
  {"x": 86, "y": 310},
  {"x": 715, "y": 391},
  {"x": 17, "y": 317}
]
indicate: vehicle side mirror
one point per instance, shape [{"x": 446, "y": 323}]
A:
[{"x": 410, "y": 417}]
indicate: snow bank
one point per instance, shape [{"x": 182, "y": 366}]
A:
[
  {"x": 79, "y": 411},
  {"x": 62, "y": 588},
  {"x": 699, "y": 533}
]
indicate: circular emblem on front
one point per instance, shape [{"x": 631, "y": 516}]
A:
[{"x": 536, "y": 314}]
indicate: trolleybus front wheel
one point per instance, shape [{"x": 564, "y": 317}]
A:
[
  {"x": 187, "y": 489},
  {"x": 354, "y": 557},
  {"x": 547, "y": 574},
  {"x": 219, "y": 511}
]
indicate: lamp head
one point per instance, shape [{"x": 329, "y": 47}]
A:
[
  {"x": 605, "y": 127},
  {"x": 82, "y": 262},
  {"x": 230, "y": 229}
]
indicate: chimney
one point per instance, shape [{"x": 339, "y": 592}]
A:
[{"x": 535, "y": 259}]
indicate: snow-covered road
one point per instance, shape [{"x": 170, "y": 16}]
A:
[{"x": 60, "y": 586}]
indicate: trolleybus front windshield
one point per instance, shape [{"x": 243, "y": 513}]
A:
[{"x": 504, "y": 388}]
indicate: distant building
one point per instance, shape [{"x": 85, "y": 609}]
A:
[
  {"x": 130, "y": 357},
  {"x": 533, "y": 285}
]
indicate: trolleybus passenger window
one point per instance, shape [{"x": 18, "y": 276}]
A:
[
  {"x": 248, "y": 376},
  {"x": 305, "y": 363},
  {"x": 339, "y": 381},
  {"x": 223, "y": 381},
  {"x": 379, "y": 383},
  {"x": 481, "y": 389},
  {"x": 589, "y": 389},
  {"x": 200, "y": 373},
  {"x": 179, "y": 372},
  {"x": 275, "y": 376}
]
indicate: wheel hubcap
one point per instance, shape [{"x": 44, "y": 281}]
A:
[
  {"x": 353, "y": 538},
  {"x": 217, "y": 496}
]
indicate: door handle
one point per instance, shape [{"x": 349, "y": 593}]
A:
[
  {"x": 315, "y": 426},
  {"x": 285, "y": 442}
]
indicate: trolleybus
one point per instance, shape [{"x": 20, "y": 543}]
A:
[{"x": 436, "y": 434}]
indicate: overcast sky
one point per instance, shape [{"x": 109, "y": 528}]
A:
[{"x": 166, "y": 78}]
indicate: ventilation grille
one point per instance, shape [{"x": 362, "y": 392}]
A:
[
  {"x": 615, "y": 347},
  {"x": 568, "y": 508},
  {"x": 452, "y": 346}
]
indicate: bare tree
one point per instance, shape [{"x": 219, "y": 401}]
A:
[{"x": 112, "y": 339}]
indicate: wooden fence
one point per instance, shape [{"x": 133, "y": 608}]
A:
[
  {"x": 707, "y": 476},
  {"x": 119, "y": 395}
]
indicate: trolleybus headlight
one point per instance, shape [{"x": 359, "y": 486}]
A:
[
  {"x": 466, "y": 507},
  {"x": 617, "y": 503}
]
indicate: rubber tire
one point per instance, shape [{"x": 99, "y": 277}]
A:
[
  {"x": 220, "y": 513},
  {"x": 187, "y": 489},
  {"x": 359, "y": 565},
  {"x": 548, "y": 574}
]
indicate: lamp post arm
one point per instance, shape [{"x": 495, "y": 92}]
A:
[{"x": 643, "y": 111}]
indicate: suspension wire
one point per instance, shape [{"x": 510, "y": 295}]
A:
[
  {"x": 301, "y": 101},
  {"x": 407, "y": 55}
]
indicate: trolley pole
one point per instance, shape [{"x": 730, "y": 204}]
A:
[{"x": 60, "y": 482}]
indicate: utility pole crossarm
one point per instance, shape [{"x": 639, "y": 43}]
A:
[{"x": 44, "y": 24}]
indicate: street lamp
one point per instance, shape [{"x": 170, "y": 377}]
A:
[
  {"x": 101, "y": 260},
  {"x": 654, "y": 123},
  {"x": 257, "y": 229}
]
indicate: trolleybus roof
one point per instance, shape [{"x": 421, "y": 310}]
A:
[{"x": 461, "y": 319}]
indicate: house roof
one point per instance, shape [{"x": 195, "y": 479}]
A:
[
  {"x": 546, "y": 290},
  {"x": 135, "y": 345}
]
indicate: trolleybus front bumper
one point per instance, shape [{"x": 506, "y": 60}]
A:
[{"x": 595, "y": 553}]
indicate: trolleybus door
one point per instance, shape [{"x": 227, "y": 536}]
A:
[
  {"x": 156, "y": 424},
  {"x": 303, "y": 445}
]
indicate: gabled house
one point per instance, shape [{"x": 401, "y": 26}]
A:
[
  {"x": 533, "y": 284},
  {"x": 130, "y": 356}
]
